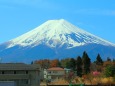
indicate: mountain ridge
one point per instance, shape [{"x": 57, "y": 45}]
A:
[
  {"x": 59, "y": 31},
  {"x": 55, "y": 39}
]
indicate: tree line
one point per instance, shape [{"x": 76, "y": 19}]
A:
[{"x": 81, "y": 64}]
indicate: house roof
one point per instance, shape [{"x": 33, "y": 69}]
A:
[
  {"x": 56, "y": 68},
  {"x": 18, "y": 66}
]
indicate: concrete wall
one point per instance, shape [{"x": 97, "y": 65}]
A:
[
  {"x": 7, "y": 83},
  {"x": 21, "y": 78},
  {"x": 35, "y": 78}
]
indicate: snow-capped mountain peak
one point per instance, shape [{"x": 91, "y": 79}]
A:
[{"x": 55, "y": 33}]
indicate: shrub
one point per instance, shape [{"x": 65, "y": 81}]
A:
[{"x": 110, "y": 71}]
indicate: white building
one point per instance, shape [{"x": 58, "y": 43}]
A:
[{"x": 54, "y": 73}]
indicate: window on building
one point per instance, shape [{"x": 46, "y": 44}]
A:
[
  {"x": 49, "y": 72},
  {"x": 24, "y": 81},
  {"x": 2, "y": 72},
  {"x": 14, "y": 72},
  {"x": 26, "y": 72},
  {"x": 55, "y": 72}
]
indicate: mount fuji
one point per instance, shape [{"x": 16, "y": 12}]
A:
[{"x": 55, "y": 39}]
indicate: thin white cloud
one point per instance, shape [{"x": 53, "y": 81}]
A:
[
  {"x": 42, "y": 4},
  {"x": 95, "y": 12},
  {"x": 107, "y": 12}
]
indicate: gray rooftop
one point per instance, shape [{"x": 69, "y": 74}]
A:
[{"x": 18, "y": 66}]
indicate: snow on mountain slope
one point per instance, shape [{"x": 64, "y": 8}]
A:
[{"x": 55, "y": 33}]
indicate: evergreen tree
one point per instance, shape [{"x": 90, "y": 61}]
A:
[
  {"x": 86, "y": 63},
  {"x": 99, "y": 61},
  {"x": 68, "y": 64},
  {"x": 113, "y": 60},
  {"x": 71, "y": 64},
  {"x": 32, "y": 62},
  {"x": 64, "y": 62},
  {"x": 59, "y": 64},
  {"x": 79, "y": 66}
]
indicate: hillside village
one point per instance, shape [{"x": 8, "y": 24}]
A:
[
  {"x": 78, "y": 70},
  {"x": 68, "y": 71}
]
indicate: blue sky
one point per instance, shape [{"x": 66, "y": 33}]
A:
[{"x": 19, "y": 16}]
